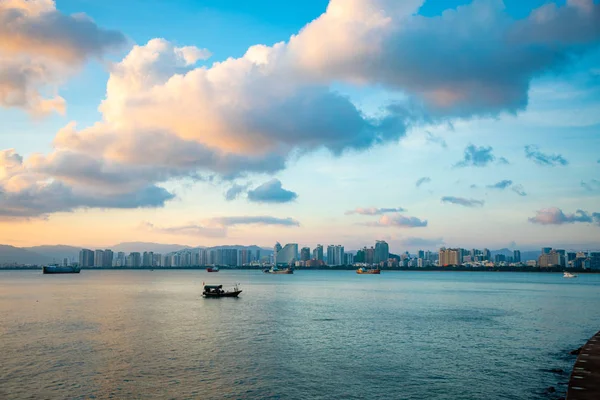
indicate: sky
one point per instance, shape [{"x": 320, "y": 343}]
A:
[{"x": 424, "y": 123}]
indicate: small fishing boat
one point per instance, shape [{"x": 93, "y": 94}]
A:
[
  {"x": 55, "y": 269},
  {"x": 217, "y": 291},
  {"x": 363, "y": 270},
  {"x": 569, "y": 275},
  {"x": 212, "y": 269},
  {"x": 275, "y": 270}
]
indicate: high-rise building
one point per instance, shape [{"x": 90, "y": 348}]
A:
[
  {"x": 546, "y": 250},
  {"x": 348, "y": 259},
  {"x": 99, "y": 258},
  {"x": 594, "y": 260},
  {"x": 86, "y": 258},
  {"x": 499, "y": 258},
  {"x": 147, "y": 259},
  {"x": 571, "y": 256},
  {"x": 107, "y": 259},
  {"x": 287, "y": 255},
  {"x": 487, "y": 255},
  {"x": 382, "y": 251},
  {"x": 420, "y": 254},
  {"x": 134, "y": 259},
  {"x": 517, "y": 256},
  {"x": 276, "y": 249},
  {"x": 318, "y": 253},
  {"x": 550, "y": 259},
  {"x": 450, "y": 257},
  {"x": 305, "y": 254},
  {"x": 121, "y": 259},
  {"x": 369, "y": 255}
]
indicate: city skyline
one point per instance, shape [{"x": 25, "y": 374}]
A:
[{"x": 317, "y": 122}]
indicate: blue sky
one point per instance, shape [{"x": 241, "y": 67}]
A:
[{"x": 466, "y": 95}]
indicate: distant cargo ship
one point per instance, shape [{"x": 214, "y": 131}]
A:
[
  {"x": 275, "y": 270},
  {"x": 55, "y": 269},
  {"x": 212, "y": 269},
  {"x": 362, "y": 270}
]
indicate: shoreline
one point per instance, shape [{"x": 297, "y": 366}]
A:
[{"x": 336, "y": 268}]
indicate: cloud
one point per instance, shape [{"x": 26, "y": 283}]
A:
[
  {"x": 555, "y": 216},
  {"x": 592, "y": 185},
  {"x": 431, "y": 138},
  {"x": 374, "y": 210},
  {"x": 271, "y": 192},
  {"x": 234, "y": 191},
  {"x": 165, "y": 118},
  {"x": 258, "y": 220},
  {"x": 41, "y": 47},
  {"x": 475, "y": 156},
  {"x": 500, "y": 185},
  {"x": 503, "y": 161},
  {"x": 27, "y": 189},
  {"x": 533, "y": 153},
  {"x": 422, "y": 180},
  {"x": 462, "y": 201},
  {"x": 398, "y": 221},
  {"x": 186, "y": 230},
  {"x": 518, "y": 189}
]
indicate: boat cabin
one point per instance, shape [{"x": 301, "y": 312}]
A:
[{"x": 213, "y": 289}]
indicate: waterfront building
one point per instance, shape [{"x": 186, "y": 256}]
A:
[
  {"x": 305, "y": 254},
  {"x": 369, "y": 255},
  {"x": 450, "y": 257},
  {"x": 147, "y": 259},
  {"x": 287, "y": 255},
  {"x": 420, "y": 254},
  {"x": 98, "y": 258},
  {"x": 318, "y": 253},
  {"x": 498, "y": 258},
  {"x": 517, "y": 256},
  {"x": 487, "y": 255},
  {"x": 382, "y": 251},
  {"x": 348, "y": 259},
  {"x": 86, "y": 258},
  {"x": 546, "y": 250},
  {"x": 134, "y": 259},
  {"x": 531, "y": 263},
  {"x": 595, "y": 260},
  {"x": 550, "y": 259},
  {"x": 276, "y": 250},
  {"x": 107, "y": 258}
]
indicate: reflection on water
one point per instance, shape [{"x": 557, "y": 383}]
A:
[{"x": 314, "y": 334}]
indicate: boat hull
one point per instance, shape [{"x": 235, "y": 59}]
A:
[
  {"x": 235, "y": 293},
  {"x": 61, "y": 270},
  {"x": 368, "y": 272},
  {"x": 281, "y": 272},
  {"x": 211, "y": 270}
]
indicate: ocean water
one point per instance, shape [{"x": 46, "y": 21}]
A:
[{"x": 311, "y": 335}]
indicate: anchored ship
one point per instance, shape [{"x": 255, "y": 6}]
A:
[
  {"x": 275, "y": 270},
  {"x": 363, "y": 270},
  {"x": 55, "y": 269}
]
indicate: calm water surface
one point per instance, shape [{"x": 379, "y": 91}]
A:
[{"x": 314, "y": 334}]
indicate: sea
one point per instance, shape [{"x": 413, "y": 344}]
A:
[{"x": 311, "y": 335}]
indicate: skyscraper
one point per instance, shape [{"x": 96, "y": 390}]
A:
[
  {"x": 99, "y": 258},
  {"x": 305, "y": 254},
  {"x": 450, "y": 257},
  {"x": 86, "y": 258},
  {"x": 517, "y": 256},
  {"x": 318, "y": 253},
  {"x": 420, "y": 254},
  {"x": 382, "y": 251},
  {"x": 546, "y": 250},
  {"x": 107, "y": 260}
]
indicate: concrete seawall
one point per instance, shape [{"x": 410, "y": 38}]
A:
[{"x": 584, "y": 383}]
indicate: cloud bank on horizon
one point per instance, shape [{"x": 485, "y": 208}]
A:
[{"x": 166, "y": 117}]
